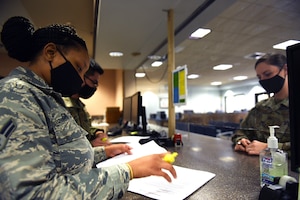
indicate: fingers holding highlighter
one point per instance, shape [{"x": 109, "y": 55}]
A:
[
  {"x": 154, "y": 164},
  {"x": 170, "y": 157}
]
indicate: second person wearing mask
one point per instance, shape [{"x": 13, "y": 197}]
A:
[
  {"x": 271, "y": 71},
  {"x": 76, "y": 107}
]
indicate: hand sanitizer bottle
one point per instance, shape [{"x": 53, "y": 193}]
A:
[{"x": 273, "y": 161}]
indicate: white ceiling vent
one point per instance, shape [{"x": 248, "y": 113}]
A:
[{"x": 254, "y": 56}]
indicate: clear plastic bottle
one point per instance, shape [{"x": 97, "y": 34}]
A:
[{"x": 273, "y": 161}]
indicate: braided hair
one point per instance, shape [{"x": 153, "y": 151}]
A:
[{"x": 23, "y": 42}]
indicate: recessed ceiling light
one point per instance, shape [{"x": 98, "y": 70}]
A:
[
  {"x": 200, "y": 33},
  {"x": 193, "y": 76},
  {"x": 156, "y": 63},
  {"x": 140, "y": 74},
  {"x": 240, "y": 78},
  {"x": 222, "y": 67},
  {"x": 216, "y": 83},
  {"x": 285, "y": 44},
  {"x": 115, "y": 54}
]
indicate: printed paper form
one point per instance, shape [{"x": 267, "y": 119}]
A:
[
  {"x": 137, "y": 151},
  {"x": 187, "y": 181},
  {"x": 157, "y": 187}
]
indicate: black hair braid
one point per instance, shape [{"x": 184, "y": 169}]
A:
[
  {"x": 16, "y": 37},
  {"x": 23, "y": 43},
  {"x": 59, "y": 34}
]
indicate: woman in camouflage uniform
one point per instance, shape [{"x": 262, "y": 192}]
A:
[
  {"x": 44, "y": 154},
  {"x": 252, "y": 136}
]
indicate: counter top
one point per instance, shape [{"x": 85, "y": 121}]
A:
[{"x": 237, "y": 174}]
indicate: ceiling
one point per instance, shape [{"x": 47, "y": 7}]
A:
[{"x": 140, "y": 28}]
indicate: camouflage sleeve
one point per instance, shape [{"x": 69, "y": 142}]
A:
[
  {"x": 92, "y": 133},
  {"x": 99, "y": 153},
  {"x": 34, "y": 165},
  {"x": 247, "y": 123},
  {"x": 98, "y": 183},
  {"x": 82, "y": 118}
]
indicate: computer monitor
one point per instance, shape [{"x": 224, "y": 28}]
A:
[
  {"x": 136, "y": 108},
  {"x": 138, "y": 113},
  {"x": 126, "y": 110},
  {"x": 293, "y": 63}
]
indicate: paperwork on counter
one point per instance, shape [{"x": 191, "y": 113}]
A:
[{"x": 187, "y": 181}]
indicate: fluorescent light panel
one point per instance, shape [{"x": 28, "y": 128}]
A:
[
  {"x": 216, "y": 83},
  {"x": 285, "y": 44},
  {"x": 240, "y": 78},
  {"x": 200, "y": 33},
  {"x": 222, "y": 67},
  {"x": 115, "y": 54},
  {"x": 156, "y": 63},
  {"x": 140, "y": 74},
  {"x": 193, "y": 76}
]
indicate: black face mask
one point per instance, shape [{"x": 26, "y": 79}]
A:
[
  {"x": 87, "y": 91},
  {"x": 65, "y": 79},
  {"x": 274, "y": 84}
]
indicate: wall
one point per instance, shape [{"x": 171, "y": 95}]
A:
[
  {"x": 240, "y": 96},
  {"x": 7, "y": 64},
  {"x": 109, "y": 93}
]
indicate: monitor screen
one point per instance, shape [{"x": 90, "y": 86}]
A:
[
  {"x": 293, "y": 63},
  {"x": 136, "y": 108},
  {"x": 126, "y": 109}
]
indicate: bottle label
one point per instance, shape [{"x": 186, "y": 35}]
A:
[
  {"x": 267, "y": 161},
  {"x": 267, "y": 179}
]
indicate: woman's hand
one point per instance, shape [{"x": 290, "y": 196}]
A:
[
  {"x": 152, "y": 165},
  {"x": 255, "y": 147},
  {"x": 242, "y": 144},
  {"x": 116, "y": 149},
  {"x": 100, "y": 140}
]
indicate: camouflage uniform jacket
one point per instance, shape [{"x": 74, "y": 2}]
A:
[
  {"x": 44, "y": 153},
  {"x": 266, "y": 113},
  {"x": 77, "y": 109}
]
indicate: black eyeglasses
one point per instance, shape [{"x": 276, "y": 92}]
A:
[{"x": 94, "y": 82}]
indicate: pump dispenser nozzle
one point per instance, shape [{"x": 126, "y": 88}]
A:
[{"x": 272, "y": 140}]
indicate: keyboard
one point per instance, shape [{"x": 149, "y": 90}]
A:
[
  {"x": 152, "y": 134},
  {"x": 114, "y": 131}
]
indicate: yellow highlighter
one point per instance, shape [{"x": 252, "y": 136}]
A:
[
  {"x": 170, "y": 157},
  {"x": 104, "y": 139},
  {"x": 133, "y": 133}
]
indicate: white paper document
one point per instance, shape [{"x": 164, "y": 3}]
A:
[
  {"x": 187, "y": 181},
  {"x": 137, "y": 151}
]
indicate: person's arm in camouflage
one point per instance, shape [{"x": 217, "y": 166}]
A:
[
  {"x": 30, "y": 162},
  {"x": 242, "y": 132}
]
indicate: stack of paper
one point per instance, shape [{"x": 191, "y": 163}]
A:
[{"x": 187, "y": 181}]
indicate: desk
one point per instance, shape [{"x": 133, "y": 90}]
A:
[{"x": 237, "y": 174}]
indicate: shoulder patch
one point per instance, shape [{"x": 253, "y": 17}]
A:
[{"x": 5, "y": 132}]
